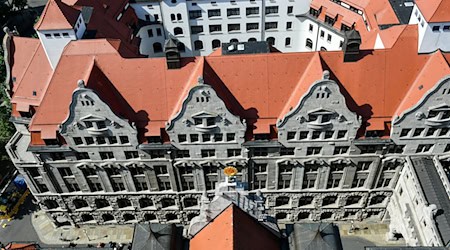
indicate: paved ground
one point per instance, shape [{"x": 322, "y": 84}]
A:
[{"x": 366, "y": 234}]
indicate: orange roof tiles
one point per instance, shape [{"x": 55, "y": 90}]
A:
[
  {"x": 435, "y": 11},
  {"x": 57, "y": 15},
  {"x": 234, "y": 229}
]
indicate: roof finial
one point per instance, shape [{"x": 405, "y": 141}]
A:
[
  {"x": 200, "y": 80},
  {"x": 80, "y": 84},
  {"x": 326, "y": 75}
]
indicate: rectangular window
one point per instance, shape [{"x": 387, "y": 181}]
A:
[
  {"x": 131, "y": 154},
  {"x": 368, "y": 149},
  {"x": 234, "y": 27},
  {"x": 64, "y": 172},
  {"x": 215, "y": 28},
  {"x": 101, "y": 140},
  {"x": 313, "y": 150},
  {"x": 359, "y": 180},
  {"x": 322, "y": 33},
  {"x": 77, "y": 140},
  {"x": 208, "y": 153},
  {"x": 303, "y": 135},
  {"x": 446, "y": 28},
  {"x": 424, "y": 148},
  {"x": 291, "y": 135},
  {"x": 206, "y": 137},
  {"x": 196, "y": 29},
  {"x": 252, "y": 26},
  {"x": 234, "y": 152},
  {"x": 260, "y": 152},
  {"x": 124, "y": 139},
  {"x": 233, "y": 12},
  {"x": 106, "y": 155},
  {"x": 194, "y": 14},
  {"x": 418, "y": 132},
  {"x": 287, "y": 151},
  {"x": 82, "y": 156},
  {"x": 443, "y": 131},
  {"x": 218, "y": 137},
  {"x": 112, "y": 140},
  {"x": 271, "y": 25},
  {"x": 316, "y": 135},
  {"x": 329, "y": 134},
  {"x": 182, "y": 138},
  {"x": 405, "y": 132},
  {"x": 329, "y": 20},
  {"x": 313, "y": 12},
  {"x": 289, "y": 25},
  {"x": 431, "y": 131},
  {"x": 150, "y": 33},
  {"x": 311, "y": 27},
  {"x": 340, "y": 150},
  {"x": 231, "y": 136},
  {"x": 155, "y": 154},
  {"x": 214, "y": 13},
  {"x": 182, "y": 154},
  {"x": 194, "y": 137},
  {"x": 271, "y": 10},
  {"x": 329, "y": 38},
  {"x": 57, "y": 156},
  {"x": 158, "y": 30},
  {"x": 290, "y": 9},
  {"x": 252, "y": 11},
  {"x": 341, "y": 134}
]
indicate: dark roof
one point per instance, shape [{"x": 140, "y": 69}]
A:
[
  {"x": 435, "y": 193},
  {"x": 402, "y": 11},
  {"x": 245, "y": 48},
  {"x": 314, "y": 236},
  {"x": 156, "y": 237}
]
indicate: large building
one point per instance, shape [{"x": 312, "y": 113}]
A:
[{"x": 106, "y": 136}]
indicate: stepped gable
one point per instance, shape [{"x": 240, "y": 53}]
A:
[{"x": 57, "y": 15}]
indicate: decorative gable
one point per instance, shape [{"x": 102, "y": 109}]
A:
[{"x": 90, "y": 117}]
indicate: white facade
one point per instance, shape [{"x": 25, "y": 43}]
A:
[
  {"x": 54, "y": 41},
  {"x": 432, "y": 36},
  {"x": 410, "y": 213},
  {"x": 202, "y": 26}
]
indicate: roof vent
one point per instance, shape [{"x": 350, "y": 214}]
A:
[
  {"x": 232, "y": 47},
  {"x": 351, "y": 45}
]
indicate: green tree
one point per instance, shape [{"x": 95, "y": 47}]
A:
[{"x": 6, "y": 128}]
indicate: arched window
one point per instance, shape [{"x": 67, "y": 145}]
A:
[
  {"x": 190, "y": 202},
  {"x": 149, "y": 217},
  {"x": 234, "y": 40},
  {"x": 51, "y": 204},
  {"x": 287, "y": 41},
  {"x": 174, "y": 1},
  {"x": 191, "y": 216},
  {"x": 145, "y": 202},
  {"x": 377, "y": 199},
  {"x": 323, "y": 49},
  {"x": 128, "y": 217},
  {"x": 178, "y": 31},
  {"x": 215, "y": 44},
  {"x": 179, "y": 17},
  {"x": 157, "y": 48},
  {"x": 303, "y": 216},
  {"x": 101, "y": 203},
  {"x": 123, "y": 203},
  {"x": 281, "y": 201},
  {"x": 87, "y": 217},
  {"x": 167, "y": 202},
  {"x": 79, "y": 203},
  {"x": 252, "y": 39},
  {"x": 305, "y": 200},
  {"x": 172, "y": 17},
  {"x": 170, "y": 217},
  {"x": 353, "y": 200},
  {"x": 329, "y": 200},
  {"x": 198, "y": 45},
  {"x": 271, "y": 41},
  {"x": 326, "y": 215},
  {"x": 181, "y": 47},
  {"x": 309, "y": 43},
  {"x": 281, "y": 216},
  {"x": 107, "y": 217}
]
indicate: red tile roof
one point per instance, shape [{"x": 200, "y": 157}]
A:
[
  {"x": 435, "y": 11},
  {"x": 260, "y": 88},
  {"x": 57, "y": 15},
  {"x": 234, "y": 229}
]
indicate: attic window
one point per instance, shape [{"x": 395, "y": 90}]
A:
[
  {"x": 34, "y": 93},
  {"x": 48, "y": 35}
]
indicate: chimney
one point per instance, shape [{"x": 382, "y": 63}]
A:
[
  {"x": 172, "y": 53},
  {"x": 351, "y": 45}
]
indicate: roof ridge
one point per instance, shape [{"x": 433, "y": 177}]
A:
[{"x": 437, "y": 8}]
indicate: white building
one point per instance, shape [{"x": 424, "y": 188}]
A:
[
  {"x": 433, "y": 20},
  {"x": 202, "y": 26}
]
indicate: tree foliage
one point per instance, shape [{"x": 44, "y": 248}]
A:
[{"x": 6, "y": 128}]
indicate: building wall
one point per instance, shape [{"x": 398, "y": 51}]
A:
[
  {"x": 291, "y": 18},
  {"x": 54, "y": 41},
  {"x": 430, "y": 39}
]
